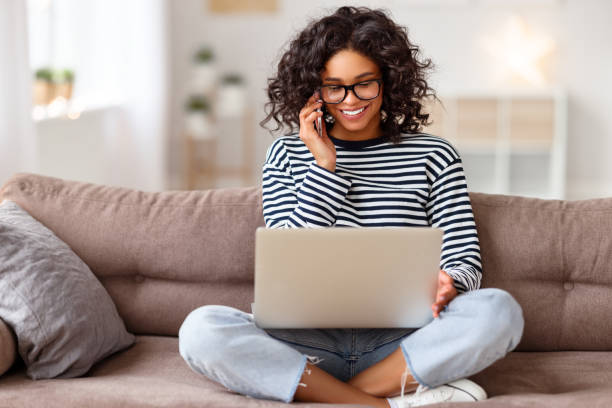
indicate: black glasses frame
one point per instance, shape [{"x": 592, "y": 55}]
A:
[{"x": 348, "y": 88}]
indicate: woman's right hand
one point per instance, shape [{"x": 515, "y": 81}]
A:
[{"x": 322, "y": 148}]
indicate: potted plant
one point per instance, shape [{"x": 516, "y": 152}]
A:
[
  {"x": 63, "y": 81},
  {"x": 232, "y": 96},
  {"x": 43, "y": 86},
  {"x": 204, "y": 55},
  {"x": 198, "y": 120},
  {"x": 204, "y": 75}
]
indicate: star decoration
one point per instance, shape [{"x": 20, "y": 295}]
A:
[{"x": 520, "y": 50}]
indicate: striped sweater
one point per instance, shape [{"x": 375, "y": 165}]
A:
[{"x": 418, "y": 182}]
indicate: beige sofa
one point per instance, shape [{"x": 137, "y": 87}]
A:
[{"x": 160, "y": 255}]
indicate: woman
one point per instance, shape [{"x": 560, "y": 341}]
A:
[{"x": 370, "y": 166}]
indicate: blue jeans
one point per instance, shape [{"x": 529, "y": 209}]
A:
[{"x": 223, "y": 343}]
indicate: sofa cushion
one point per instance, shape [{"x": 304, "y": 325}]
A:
[
  {"x": 555, "y": 258},
  {"x": 153, "y": 374},
  {"x": 158, "y": 254},
  {"x": 7, "y": 347},
  {"x": 548, "y": 373},
  {"x": 63, "y": 318},
  {"x": 150, "y": 374}
]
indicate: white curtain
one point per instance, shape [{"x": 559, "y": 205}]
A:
[
  {"x": 118, "y": 50},
  {"x": 17, "y": 139},
  {"x": 130, "y": 60},
  {"x": 144, "y": 81}
]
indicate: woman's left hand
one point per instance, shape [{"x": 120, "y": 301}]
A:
[{"x": 444, "y": 294}]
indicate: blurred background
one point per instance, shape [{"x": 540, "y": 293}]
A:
[{"x": 167, "y": 95}]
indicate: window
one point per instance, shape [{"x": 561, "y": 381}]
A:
[{"x": 84, "y": 37}]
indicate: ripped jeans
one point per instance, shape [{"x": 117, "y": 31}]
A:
[{"x": 224, "y": 344}]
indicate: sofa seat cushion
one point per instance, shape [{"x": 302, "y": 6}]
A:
[
  {"x": 149, "y": 374},
  {"x": 551, "y": 379},
  {"x": 153, "y": 374}
]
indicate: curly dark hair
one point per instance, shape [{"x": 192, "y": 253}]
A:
[{"x": 370, "y": 32}]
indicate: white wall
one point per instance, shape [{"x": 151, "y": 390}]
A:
[
  {"x": 449, "y": 32},
  {"x": 586, "y": 70}
]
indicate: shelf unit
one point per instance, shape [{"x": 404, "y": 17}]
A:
[
  {"x": 224, "y": 160},
  {"x": 511, "y": 142}
]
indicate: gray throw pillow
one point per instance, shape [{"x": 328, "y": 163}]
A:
[{"x": 62, "y": 316}]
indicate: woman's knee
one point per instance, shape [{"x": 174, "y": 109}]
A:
[
  {"x": 200, "y": 331},
  {"x": 501, "y": 315}
]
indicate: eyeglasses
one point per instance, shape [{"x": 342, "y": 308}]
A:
[{"x": 365, "y": 91}]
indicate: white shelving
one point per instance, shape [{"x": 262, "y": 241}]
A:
[
  {"x": 511, "y": 142},
  {"x": 226, "y": 158}
]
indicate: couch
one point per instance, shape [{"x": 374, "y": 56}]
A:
[{"x": 162, "y": 254}]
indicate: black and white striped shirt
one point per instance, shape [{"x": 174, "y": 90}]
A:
[{"x": 418, "y": 182}]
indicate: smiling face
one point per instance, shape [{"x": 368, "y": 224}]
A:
[{"x": 356, "y": 119}]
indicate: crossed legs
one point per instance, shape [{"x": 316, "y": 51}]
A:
[
  {"x": 370, "y": 386},
  {"x": 224, "y": 344}
]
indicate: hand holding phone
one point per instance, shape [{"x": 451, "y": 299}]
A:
[{"x": 321, "y": 146}]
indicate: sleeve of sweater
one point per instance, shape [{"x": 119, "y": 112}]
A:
[
  {"x": 313, "y": 203},
  {"x": 449, "y": 208}
]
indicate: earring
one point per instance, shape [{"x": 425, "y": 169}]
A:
[
  {"x": 329, "y": 118},
  {"x": 383, "y": 115}
]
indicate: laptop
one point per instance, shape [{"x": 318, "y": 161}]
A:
[{"x": 374, "y": 277}]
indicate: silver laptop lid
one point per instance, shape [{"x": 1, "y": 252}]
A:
[{"x": 345, "y": 277}]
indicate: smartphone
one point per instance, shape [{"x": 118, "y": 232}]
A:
[{"x": 319, "y": 124}]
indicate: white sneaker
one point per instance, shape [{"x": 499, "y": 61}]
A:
[{"x": 457, "y": 391}]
